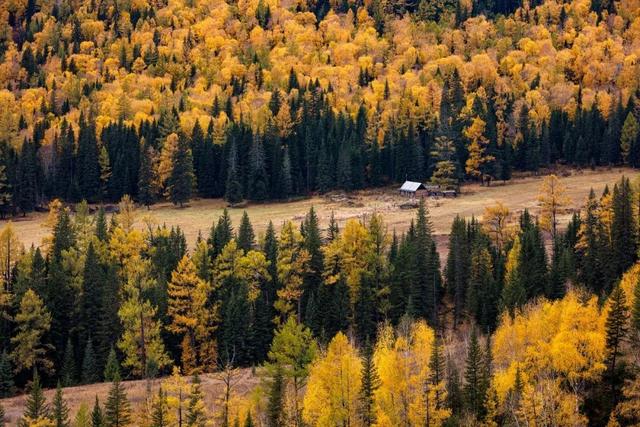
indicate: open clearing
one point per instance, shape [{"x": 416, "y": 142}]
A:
[{"x": 516, "y": 194}]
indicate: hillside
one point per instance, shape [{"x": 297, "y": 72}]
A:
[
  {"x": 213, "y": 186},
  {"x": 268, "y": 99}
]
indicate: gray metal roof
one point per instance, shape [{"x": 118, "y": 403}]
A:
[{"x": 411, "y": 186}]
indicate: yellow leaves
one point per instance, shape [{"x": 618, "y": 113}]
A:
[
  {"x": 495, "y": 222},
  {"x": 475, "y": 134},
  {"x": 403, "y": 367},
  {"x": 350, "y": 252},
  {"x": 546, "y": 403},
  {"x": 563, "y": 339},
  {"x": 332, "y": 395},
  {"x": 552, "y": 198},
  {"x": 253, "y": 268}
]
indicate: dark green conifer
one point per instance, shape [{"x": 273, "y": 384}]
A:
[
  {"x": 60, "y": 413},
  {"x": 616, "y": 334},
  {"x": 474, "y": 376},
  {"x": 246, "y": 236},
  {"x": 90, "y": 373},
  {"x": 275, "y": 405},
  {"x": 117, "y": 410},
  {"x": 6, "y": 376},
  {"x": 36, "y": 406},
  {"x": 68, "y": 373},
  {"x": 370, "y": 383},
  {"x": 97, "y": 418},
  {"x": 112, "y": 367},
  {"x": 181, "y": 181}
]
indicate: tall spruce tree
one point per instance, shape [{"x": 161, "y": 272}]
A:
[
  {"x": 36, "y": 408},
  {"x": 246, "y": 236},
  {"x": 616, "y": 334},
  {"x": 475, "y": 384},
  {"x": 233, "y": 193},
  {"x": 276, "y": 403},
  {"x": 457, "y": 268},
  {"x": 148, "y": 180},
  {"x": 623, "y": 227},
  {"x": 97, "y": 418},
  {"x": 68, "y": 374},
  {"x": 90, "y": 373},
  {"x": 60, "y": 410},
  {"x": 370, "y": 383},
  {"x": 87, "y": 161},
  {"x": 117, "y": 410},
  {"x": 425, "y": 292},
  {"x": 6, "y": 376},
  {"x": 258, "y": 177},
  {"x": 182, "y": 179}
]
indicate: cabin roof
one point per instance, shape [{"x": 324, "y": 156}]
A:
[{"x": 412, "y": 186}]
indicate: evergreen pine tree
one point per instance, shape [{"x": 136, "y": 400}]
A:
[
  {"x": 616, "y": 331},
  {"x": 90, "y": 373},
  {"x": 258, "y": 178},
  {"x": 275, "y": 395},
  {"x": 36, "y": 407},
  {"x": 60, "y": 413},
  {"x": 623, "y": 227},
  {"x": 220, "y": 234},
  {"x": 370, "y": 383},
  {"x": 117, "y": 411},
  {"x": 246, "y": 235},
  {"x": 93, "y": 284},
  {"x": 181, "y": 180},
  {"x": 6, "y": 376},
  {"x": 286, "y": 181},
  {"x": 112, "y": 367},
  {"x": 87, "y": 161},
  {"x": 475, "y": 387},
  {"x": 147, "y": 176},
  {"x": 426, "y": 288},
  {"x": 101, "y": 224},
  {"x": 233, "y": 193},
  {"x": 437, "y": 371},
  {"x": 97, "y": 418},
  {"x": 68, "y": 373},
  {"x": 457, "y": 269}
]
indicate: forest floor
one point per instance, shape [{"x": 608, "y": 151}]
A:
[
  {"x": 244, "y": 382},
  {"x": 517, "y": 194}
]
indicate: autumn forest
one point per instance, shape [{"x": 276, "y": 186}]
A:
[{"x": 518, "y": 317}]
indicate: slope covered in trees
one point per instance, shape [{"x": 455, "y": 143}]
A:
[
  {"x": 266, "y": 99},
  {"x": 354, "y": 325}
]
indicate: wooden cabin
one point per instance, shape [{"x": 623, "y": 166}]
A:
[{"x": 413, "y": 189}]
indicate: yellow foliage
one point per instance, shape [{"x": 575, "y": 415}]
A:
[
  {"x": 563, "y": 339},
  {"x": 333, "y": 388}
]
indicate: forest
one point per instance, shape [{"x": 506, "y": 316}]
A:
[
  {"x": 269, "y": 99},
  {"x": 106, "y": 105},
  {"x": 352, "y": 325}
]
